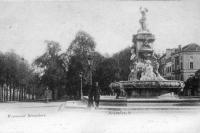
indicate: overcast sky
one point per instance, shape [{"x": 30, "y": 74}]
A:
[{"x": 24, "y": 26}]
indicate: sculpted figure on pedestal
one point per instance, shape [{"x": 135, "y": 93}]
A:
[
  {"x": 143, "y": 20},
  {"x": 148, "y": 73}
]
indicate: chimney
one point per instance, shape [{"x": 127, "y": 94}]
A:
[
  {"x": 168, "y": 52},
  {"x": 179, "y": 47}
]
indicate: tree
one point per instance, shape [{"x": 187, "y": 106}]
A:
[
  {"x": 53, "y": 66},
  {"x": 107, "y": 72},
  {"x": 15, "y": 74},
  {"x": 78, "y": 51},
  {"x": 82, "y": 44},
  {"x": 2, "y": 69},
  {"x": 193, "y": 83},
  {"x": 123, "y": 61},
  {"x": 197, "y": 74},
  {"x": 80, "y": 47}
]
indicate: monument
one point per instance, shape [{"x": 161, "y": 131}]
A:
[{"x": 144, "y": 79}]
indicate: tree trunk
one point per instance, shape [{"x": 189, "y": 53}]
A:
[
  {"x": 23, "y": 93},
  {"x": 13, "y": 93},
  {"x": 7, "y": 98},
  {"x": 17, "y": 94},
  {"x": 32, "y": 93},
  {"x": 25, "y": 98},
  {"x": 20, "y": 93},
  {"x": 19, "y": 89},
  {"x": 2, "y": 93},
  {"x": 10, "y": 93}
]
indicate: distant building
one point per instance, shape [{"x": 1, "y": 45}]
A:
[
  {"x": 166, "y": 65},
  {"x": 180, "y": 63}
]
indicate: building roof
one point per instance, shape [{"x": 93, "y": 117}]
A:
[{"x": 191, "y": 47}]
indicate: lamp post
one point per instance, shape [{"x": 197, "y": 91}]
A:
[
  {"x": 46, "y": 94},
  {"x": 81, "y": 77}
]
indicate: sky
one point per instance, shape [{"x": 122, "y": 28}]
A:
[{"x": 24, "y": 26}]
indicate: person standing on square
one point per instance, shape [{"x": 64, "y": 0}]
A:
[{"x": 97, "y": 95}]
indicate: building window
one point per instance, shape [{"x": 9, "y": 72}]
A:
[
  {"x": 181, "y": 65},
  {"x": 182, "y": 77},
  {"x": 177, "y": 77},
  {"x": 181, "y": 58},
  {"x": 177, "y": 60},
  {"x": 191, "y": 65},
  {"x": 173, "y": 67},
  {"x": 176, "y": 63}
]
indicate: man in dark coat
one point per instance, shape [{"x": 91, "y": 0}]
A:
[
  {"x": 90, "y": 97},
  {"x": 97, "y": 95},
  {"x": 94, "y": 96}
]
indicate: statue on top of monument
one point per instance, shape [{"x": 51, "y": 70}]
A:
[
  {"x": 143, "y": 12},
  {"x": 143, "y": 20}
]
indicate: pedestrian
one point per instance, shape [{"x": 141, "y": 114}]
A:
[
  {"x": 46, "y": 94},
  {"x": 97, "y": 95},
  {"x": 90, "y": 97},
  {"x": 118, "y": 92}
]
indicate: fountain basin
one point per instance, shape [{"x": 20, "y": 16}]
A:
[{"x": 147, "y": 88}]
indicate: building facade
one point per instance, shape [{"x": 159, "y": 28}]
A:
[
  {"x": 180, "y": 63},
  {"x": 166, "y": 65}
]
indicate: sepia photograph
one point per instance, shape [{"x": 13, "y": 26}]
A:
[{"x": 91, "y": 66}]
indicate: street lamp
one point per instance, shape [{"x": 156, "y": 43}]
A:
[
  {"x": 81, "y": 76},
  {"x": 47, "y": 95}
]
